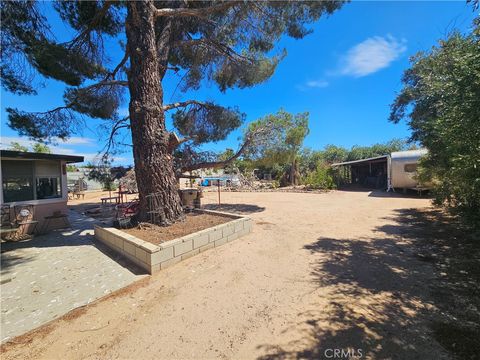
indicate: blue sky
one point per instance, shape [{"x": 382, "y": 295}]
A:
[{"x": 345, "y": 75}]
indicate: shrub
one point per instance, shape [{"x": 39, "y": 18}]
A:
[
  {"x": 275, "y": 184},
  {"x": 320, "y": 178},
  {"x": 110, "y": 186}
]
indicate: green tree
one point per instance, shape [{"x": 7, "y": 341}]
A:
[
  {"x": 41, "y": 148},
  {"x": 364, "y": 152},
  {"x": 315, "y": 168},
  {"x": 103, "y": 174},
  {"x": 333, "y": 154},
  {"x": 440, "y": 102},
  {"x": 283, "y": 142},
  {"x": 90, "y": 165},
  {"x": 308, "y": 160},
  {"x": 15, "y": 146},
  {"x": 321, "y": 177},
  {"x": 231, "y": 166},
  {"x": 231, "y": 43},
  {"x": 71, "y": 168}
]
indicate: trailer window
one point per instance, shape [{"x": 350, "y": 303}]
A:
[{"x": 410, "y": 168}]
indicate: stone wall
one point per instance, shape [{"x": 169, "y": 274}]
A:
[{"x": 153, "y": 257}]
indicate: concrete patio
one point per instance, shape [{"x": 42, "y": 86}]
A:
[{"x": 44, "y": 278}]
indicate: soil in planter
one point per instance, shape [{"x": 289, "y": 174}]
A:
[{"x": 193, "y": 222}]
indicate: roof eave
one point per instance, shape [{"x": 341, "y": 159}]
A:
[
  {"x": 40, "y": 156},
  {"x": 360, "y": 160}
]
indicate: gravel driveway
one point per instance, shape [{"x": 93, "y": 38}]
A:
[{"x": 319, "y": 272}]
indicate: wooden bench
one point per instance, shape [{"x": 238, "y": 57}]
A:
[
  {"x": 18, "y": 232},
  {"x": 109, "y": 199},
  {"x": 8, "y": 233},
  {"x": 78, "y": 194},
  {"x": 4, "y": 230}
]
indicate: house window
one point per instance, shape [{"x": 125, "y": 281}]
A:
[
  {"x": 47, "y": 179},
  {"x": 17, "y": 180},
  {"x": 30, "y": 180},
  {"x": 410, "y": 168},
  {"x": 48, "y": 187}
]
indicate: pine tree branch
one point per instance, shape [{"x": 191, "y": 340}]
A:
[
  {"x": 174, "y": 141},
  {"x": 95, "y": 21},
  {"x": 218, "y": 47},
  {"x": 90, "y": 87},
  {"x": 185, "y": 139},
  {"x": 221, "y": 163},
  {"x": 253, "y": 136},
  {"x": 198, "y": 12},
  {"x": 118, "y": 67},
  {"x": 183, "y": 104},
  {"x": 107, "y": 83},
  {"x": 119, "y": 124}
]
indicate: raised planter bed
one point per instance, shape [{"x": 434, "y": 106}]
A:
[{"x": 153, "y": 257}]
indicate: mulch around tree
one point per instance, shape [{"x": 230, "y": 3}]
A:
[{"x": 193, "y": 222}]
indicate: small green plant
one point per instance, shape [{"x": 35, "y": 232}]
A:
[
  {"x": 275, "y": 184},
  {"x": 110, "y": 186},
  {"x": 71, "y": 168}
]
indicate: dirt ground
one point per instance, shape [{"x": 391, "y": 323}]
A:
[
  {"x": 92, "y": 200},
  {"x": 319, "y": 272},
  {"x": 193, "y": 222}
]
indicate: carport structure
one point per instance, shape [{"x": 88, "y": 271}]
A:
[{"x": 371, "y": 173}]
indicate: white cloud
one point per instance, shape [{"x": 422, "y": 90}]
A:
[
  {"x": 95, "y": 157},
  {"x": 6, "y": 140},
  {"x": 317, "y": 83},
  {"x": 311, "y": 84},
  {"x": 372, "y": 55},
  {"x": 76, "y": 141}
]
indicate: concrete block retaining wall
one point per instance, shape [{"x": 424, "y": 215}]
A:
[{"x": 153, "y": 257}]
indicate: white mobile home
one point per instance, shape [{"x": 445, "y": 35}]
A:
[{"x": 403, "y": 168}]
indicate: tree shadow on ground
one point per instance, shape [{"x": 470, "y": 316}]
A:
[
  {"x": 454, "y": 251},
  {"x": 380, "y": 296},
  {"x": 11, "y": 261},
  {"x": 383, "y": 193},
  {"x": 410, "y": 194},
  {"x": 241, "y": 209},
  {"x": 95, "y": 210}
]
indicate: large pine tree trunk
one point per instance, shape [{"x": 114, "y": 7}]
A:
[{"x": 153, "y": 162}]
